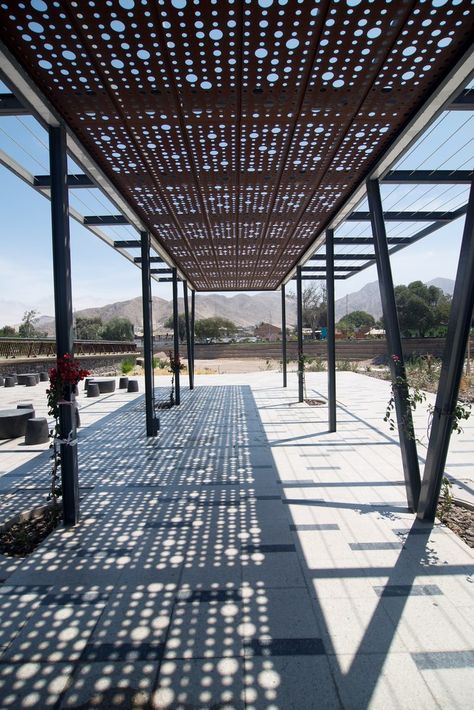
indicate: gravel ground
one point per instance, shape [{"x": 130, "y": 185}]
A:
[{"x": 461, "y": 522}]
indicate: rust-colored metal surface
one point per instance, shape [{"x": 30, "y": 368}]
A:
[{"x": 236, "y": 129}]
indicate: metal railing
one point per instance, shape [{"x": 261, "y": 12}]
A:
[{"x": 46, "y": 347}]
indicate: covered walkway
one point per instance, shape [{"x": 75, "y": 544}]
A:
[{"x": 245, "y": 558}]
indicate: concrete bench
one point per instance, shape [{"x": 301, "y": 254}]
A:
[
  {"x": 28, "y": 378},
  {"x": 9, "y": 381},
  {"x": 105, "y": 385},
  {"x": 13, "y": 422},
  {"x": 37, "y": 431}
]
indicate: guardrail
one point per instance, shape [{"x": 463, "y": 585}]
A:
[{"x": 46, "y": 347}]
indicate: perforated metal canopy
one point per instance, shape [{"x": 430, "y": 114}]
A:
[{"x": 236, "y": 130}]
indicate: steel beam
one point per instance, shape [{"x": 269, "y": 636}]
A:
[
  {"x": 412, "y": 216},
  {"x": 161, "y": 271},
  {"x": 128, "y": 244},
  {"x": 463, "y": 102},
  {"x": 73, "y": 181},
  {"x": 397, "y": 367},
  {"x": 11, "y": 106},
  {"x": 177, "y": 388},
  {"x": 299, "y": 329},
  {"x": 343, "y": 257},
  {"x": 305, "y": 269},
  {"x": 153, "y": 260},
  {"x": 429, "y": 177},
  {"x": 112, "y": 220},
  {"x": 283, "y": 336},
  {"x": 331, "y": 330},
  {"x": 147, "y": 304},
  {"x": 188, "y": 335},
  {"x": 64, "y": 318},
  {"x": 349, "y": 241},
  {"x": 451, "y": 371}
]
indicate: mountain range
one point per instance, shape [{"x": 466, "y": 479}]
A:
[{"x": 242, "y": 309}]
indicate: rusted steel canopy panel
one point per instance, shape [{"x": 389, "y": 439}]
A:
[{"x": 236, "y": 129}]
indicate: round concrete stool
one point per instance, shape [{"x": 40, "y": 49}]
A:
[
  {"x": 37, "y": 431},
  {"x": 132, "y": 386},
  {"x": 43, "y": 376},
  {"x": 78, "y": 418},
  {"x": 87, "y": 381},
  {"x": 2, "y": 381},
  {"x": 9, "y": 381},
  {"x": 93, "y": 390},
  {"x": 105, "y": 386},
  {"x": 123, "y": 383},
  {"x": 30, "y": 380}
]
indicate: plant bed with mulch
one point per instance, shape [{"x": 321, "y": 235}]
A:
[
  {"x": 460, "y": 520},
  {"x": 21, "y": 536},
  {"x": 315, "y": 402}
]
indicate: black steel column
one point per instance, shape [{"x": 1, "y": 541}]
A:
[
  {"x": 299, "y": 328},
  {"x": 397, "y": 367},
  {"x": 283, "y": 335},
  {"x": 331, "y": 330},
  {"x": 63, "y": 317},
  {"x": 151, "y": 428},
  {"x": 193, "y": 315},
  {"x": 451, "y": 370},
  {"x": 177, "y": 389},
  {"x": 189, "y": 348}
]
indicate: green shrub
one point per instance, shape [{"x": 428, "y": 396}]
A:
[
  {"x": 316, "y": 365},
  {"x": 127, "y": 365},
  {"x": 346, "y": 366}
]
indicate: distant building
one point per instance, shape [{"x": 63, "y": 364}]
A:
[{"x": 267, "y": 331}]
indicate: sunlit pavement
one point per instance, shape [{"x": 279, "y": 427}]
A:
[{"x": 245, "y": 558}]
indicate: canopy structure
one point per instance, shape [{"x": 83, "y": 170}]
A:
[{"x": 235, "y": 133}]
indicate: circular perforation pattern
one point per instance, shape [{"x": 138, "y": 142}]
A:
[{"x": 235, "y": 129}]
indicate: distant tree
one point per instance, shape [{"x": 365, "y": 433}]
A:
[
  {"x": 421, "y": 308},
  {"x": 213, "y": 328},
  {"x": 88, "y": 328},
  {"x": 355, "y": 320},
  {"x": 7, "y": 332},
  {"x": 314, "y": 306},
  {"x": 117, "y": 329},
  {"x": 27, "y": 327},
  {"x": 169, "y": 323}
]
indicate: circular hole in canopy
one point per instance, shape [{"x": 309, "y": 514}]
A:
[
  {"x": 117, "y": 63},
  {"x": 374, "y": 32},
  {"x": 272, "y": 77},
  {"x": 192, "y": 78},
  {"x": 206, "y": 85},
  {"x": 408, "y": 51},
  {"x": 408, "y": 75},
  {"x": 444, "y": 42},
  {"x": 261, "y": 53},
  {"x": 69, "y": 55},
  {"x": 215, "y": 35},
  {"x": 178, "y": 4},
  {"x": 338, "y": 83},
  {"x": 292, "y": 43},
  {"x": 143, "y": 54},
  {"x": 39, "y": 5},
  {"x": 117, "y": 26},
  {"x": 265, "y": 3},
  {"x": 327, "y": 76},
  {"x": 44, "y": 64},
  {"x": 36, "y": 27},
  {"x": 127, "y": 4}
]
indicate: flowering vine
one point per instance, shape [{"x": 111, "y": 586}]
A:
[{"x": 62, "y": 378}]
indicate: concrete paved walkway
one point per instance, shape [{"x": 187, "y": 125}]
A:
[{"x": 243, "y": 559}]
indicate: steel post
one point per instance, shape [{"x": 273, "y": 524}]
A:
[
  {"x": 331, "y": 330},
  {"x": 151, "y": 426},
  {"x": 451, "y": 371},
  {"x": 283, "y": 335},
  {"x": 177, "y": 388},
  {"x": 64, "y": 318},
  {"x": 193, "y": 315},
  {"x": 189, "y": 348},
  {"x": 397, "y": 367},
  {"x": 299, "y": 328}
]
